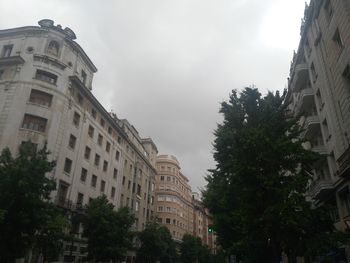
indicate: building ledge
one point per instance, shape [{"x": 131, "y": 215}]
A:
[
  {"x": 49, "y": 60},
  {"x": 13, "y": 60}
]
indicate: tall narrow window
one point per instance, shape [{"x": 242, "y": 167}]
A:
[
  {"x": 53, "y": 48},
  {"x": 93, "y": 181},
  {"x": 76, "y": 119},
  {"x": 328, "y": 9},
  {"x": 113, "y": 193},
  {"x": 338, "y": 40},
  {"x": 83, "y": 77},
  {"x": 313, "y": 72},
  {"x": 100, "y": 139},
  {"x": 46, "y": 76},
  {"x": 72, "y": 141},
  {"x": 108, "y": 147},
  {"x": 97, "y": 160},
  {"x": 105, "y": 166},
  {"x": 68, "y": 165},
  {"x": 102, "y": 186},
  {"x": 91, "y": 131},
  {"x": 83, "y": 175},
  {"x": 87, "y": 153},
  {"x": 34, "y": 123},
  {"x": 117, "y": 154},
  {"x": 40, "y": 98},
  {"x": 115, "y": 173},
  {"x": 6, "y": 51}
]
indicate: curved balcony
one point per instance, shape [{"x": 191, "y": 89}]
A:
[
  {"x": 306, "y": 99},
  {"x": 311, "y": 126},
  {"x": 301, "y": 77},
  {"x": 321, "y": 188}
]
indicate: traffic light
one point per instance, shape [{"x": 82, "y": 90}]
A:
[{"x": 210, "y": 229}]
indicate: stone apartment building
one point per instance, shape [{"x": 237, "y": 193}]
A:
[
  {"x": 319, "y": 92},
  {"x": 176, "y": 207},
  {"x": 46, "y": 97},
  {"x": 173, "y": 199}
]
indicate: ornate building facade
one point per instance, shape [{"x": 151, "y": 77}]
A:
[
  {"x": 319, "y": 92},
  {"x": 46, "y": 97}
]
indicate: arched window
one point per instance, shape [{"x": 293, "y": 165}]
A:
[{"x": 53, "y": 48}]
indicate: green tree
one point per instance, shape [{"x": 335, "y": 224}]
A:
[
  {"x": 49, "y": 240},
  {"x": 108, "y": 231},
  {"x": 256, "y": 193},
  {"x": 24, "y": 199},
  {"x": 156, "y": 244},
  {"x": 190, "y": 248}
]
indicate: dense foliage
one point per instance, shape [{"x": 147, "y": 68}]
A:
[
  {"x": 25, "y": 211},
  {"x": 256, "y": 193},
  {"x": 193, "y": 251},
  {"x": 156, "y": 244},
  {"x": 108, "y": 231}
]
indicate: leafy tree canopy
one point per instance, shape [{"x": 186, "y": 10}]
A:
[
  {"x": 108, "y": 231},
  {"x": 156, "y": 244},
  {"x": 24, "y": 199},
  {"x": 256, "y": 193}
]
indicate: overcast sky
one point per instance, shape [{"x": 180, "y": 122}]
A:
[{"x": 166, "y": 65}]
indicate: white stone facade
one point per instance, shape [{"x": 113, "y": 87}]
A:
[
  {"x": 319, "y": 92},
  {"x": 45, "y": 97}
]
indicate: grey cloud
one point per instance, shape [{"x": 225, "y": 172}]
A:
[{"x": 166, "y": 65}]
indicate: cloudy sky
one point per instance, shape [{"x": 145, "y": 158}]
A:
[{"x": 166, "y": 65}]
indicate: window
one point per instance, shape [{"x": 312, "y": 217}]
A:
[
  {"x": 83, "y": 77},
  {"x": 83, "y": 175},
  {"x": 87, "y": 153},
  {"x": 139, "y": 190},
  {"x": 328, "y": 9},
  {"x": 159, "y": 220},
  {"x": 105, "y": 166},
  {"x": 1, "y": 73},
  {"x": 6, "y": 51},
  {"x": 109, "y": 130},
  {"x": 93, "y": 181},
  {"x": 46, "y": 76},
  {"x": 97, "y": 160},
  {"x": 313, "y": 72},
  {"x": 117, "y": 154},
  {"x": 137, "y": 205},
  {"x": 108, "y": 147},
  {"x": 162, "y": 178},
  {"x": 100, "y": 139},
  {"x": 167, "y": 220},
  {"x": 102, "y": 122},
  {"x": 121, "y": 200},
  {"x": 34, "y": 123},
  {"x": 93, "y": 113},
  {"x": 72, "y": 141},
  {"x": 113, "y": 192},
  {"x": 129, "y": 184},
  {"x": 119, "y": 140},
  {"x": 76, "y": 119},
  {"x": 103, "y": 185},
  {"x": 80, "y": 99},
  {"x": 53, "y": 48},
  {"x": 115, "y": 173},
  {"x": 168, "y": 178},
  {"x": 338, "y": 40},
  {"x": 80, "y": 199},
  {"x": 40, "y": 98},
  {"x": 91, "y": 131},
  {"x": 68, "y": 166},
  {"x": 160, "y": 208},
  {"x": 123, "y": 183}
]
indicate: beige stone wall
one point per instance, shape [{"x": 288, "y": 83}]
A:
[{"x": 173, "y": 206}]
